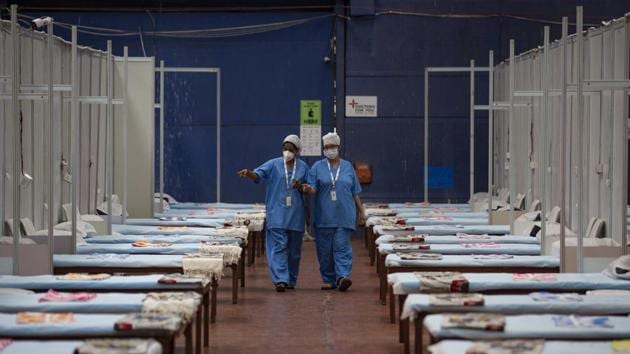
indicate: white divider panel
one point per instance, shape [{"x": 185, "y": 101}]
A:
[{"x": 140, "y": 130}]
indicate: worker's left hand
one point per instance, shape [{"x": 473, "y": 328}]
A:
[{"x": 362, "y": 218}]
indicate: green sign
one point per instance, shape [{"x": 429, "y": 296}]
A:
[{"x": 310, "y": 112}]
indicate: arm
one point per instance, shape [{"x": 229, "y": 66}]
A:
[
  {"x": 245, "y": 173},
  {"x": 261, "y": 173},
  {"x": 360, "y": 210},
  {"x": 310, "y": 187}
]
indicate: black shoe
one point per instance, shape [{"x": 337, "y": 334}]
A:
[
  {"x": 327, "y": 286},
  {"x": 290, "y": 287},
  {"x": 280, "y": 287},
  {"x": 344, "y": 284}
]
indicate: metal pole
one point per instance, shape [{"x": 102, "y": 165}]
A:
[
  {"x": 472, "y": 128},
  {"x": 511, "y": 141},
  {"x": 125, "y": 122},
  {"x": 3, "y": 135},
  {"x": 580, "y": 117},
  {"x": 74, "y": 139},
  {"x": 563, "y": 167},
  {"x": 110, "y": 136},
  {"x": 162, "y": 107},
  {"x": 624, "y": 168},
  {"x": 545, "y": 118},
  {"x": 490, "y": 128},
  {"x": 218, "y": 136},
  {"x": 51, "y": 146},
  {"x": 15, "y": 86},
  {"x": 426, "y": 135}
]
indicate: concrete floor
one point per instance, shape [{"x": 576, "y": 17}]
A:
[{"x": 305, "y": 320}]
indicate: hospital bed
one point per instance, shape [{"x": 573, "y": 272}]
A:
[
  {"x": 209, "y": 213},
  {"x": 386, "y": 250},
  {"x": 393, "y": 265},
  {"x": 529, "y": 327},
  {"x": 418, "y": 306},
  {"x": 109, "y": 303},
  {"x": 237, "y": 264},
  {"x": 62, "y": 347},
  {"x": 549, "y": 347},
  {"x": 406, "y": 283},
  {"x": 250, "y": 237},
  {"x": 404, "y": 213},
  {"x": 109, "y": 239},
  {"x": 192, "y": 222},
  {"x": 517, "y": 239},
  {"x": 419, "y": 205},
  {"x": 439, "y": 220},
  {"x": 506, "y": 283},
  {"x": 126, "y": 284},
  {"x": 234, "y": 206},
  {"x": 373, "y": 232},
  {"x": 89, "y": 326},
  {"x": 135, "y": 264}
]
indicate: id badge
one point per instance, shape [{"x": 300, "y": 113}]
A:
[
  {"x": 333, "y": 195},
  {"x": 288, "y": 200}
]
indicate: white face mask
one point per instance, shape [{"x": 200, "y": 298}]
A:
[
  {"x": 288, "y": 155},
  {"x": 331, "y": 153}
]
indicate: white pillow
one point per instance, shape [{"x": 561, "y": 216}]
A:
[{"x": 619, "y": 268}]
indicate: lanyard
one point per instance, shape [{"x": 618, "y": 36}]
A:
[
  {"x": 334, "y": 179},
  {"x": 286, "y": 174}
]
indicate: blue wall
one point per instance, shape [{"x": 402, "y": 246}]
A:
[{"x": 265, "y": 75}]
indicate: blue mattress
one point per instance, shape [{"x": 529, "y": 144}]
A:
[
  {"x": 407, "y": 283},
  {"x": 205, "y": 213},
  {"x": 532, "y": 326},
  {"x": 464, "y": 206},
  {"x": 550, "y": 347},
  {"x": 195, "y": 222},
  {"x": 59, "y": 347},
  {"x": 450, "y": 214},
  {"x": 464, "y": 261},
  {"x": 83, "y": 325},
  {"x": 46, "y": 282},
  {"x": 436, "y": 220},
  {"x": 155, "y": 230},
  {"x": 447, "y": 239},
  {"x": 117, "y": 260},
  {"x": 103, "y": 303},
  {"x": 502, "y": 248},
  {"x": 235, "y": 206},
  {"x": 451, "y": 230},
  {"x": 117, "y": 248},
  {"x": 519, "y": 304},
  {"x": 107, "y": 239}
]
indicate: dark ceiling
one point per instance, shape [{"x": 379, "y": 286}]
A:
[{"x": 173, "y": 5}]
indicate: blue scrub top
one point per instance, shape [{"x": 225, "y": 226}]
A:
[
  {"x": 343, "y": 211},
  {"x": 279, "y": 216}
]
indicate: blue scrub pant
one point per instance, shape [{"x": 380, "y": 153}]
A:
[
  {"x": 334, "y": 252},
  {"x": 284, "y": 249}
]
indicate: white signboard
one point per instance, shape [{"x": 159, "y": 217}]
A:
[
  {"x": 361, "y": 106},
  {"x": 311, "y": 137}
]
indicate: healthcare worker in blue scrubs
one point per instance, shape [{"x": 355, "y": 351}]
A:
[
  {"x": 337, "y": 208},
  {"x": 285, "y": 211}
]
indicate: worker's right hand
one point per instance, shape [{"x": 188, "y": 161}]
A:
[
  {"x": 306, "y": 188},
  {"x": 243, "y": 173}
]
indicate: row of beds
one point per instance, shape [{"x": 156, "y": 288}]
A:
[
  {"x": 469, "y": 287},
  {"x": 137, "y": 290}
]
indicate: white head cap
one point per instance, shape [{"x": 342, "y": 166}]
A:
[
  {"x": 331, "y": 139},
  {"x": 293, "y": 139}
]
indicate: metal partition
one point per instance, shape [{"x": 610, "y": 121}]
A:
[
  {"x": 47, "y": 81},
  {"x": 162, "y": 70}
]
